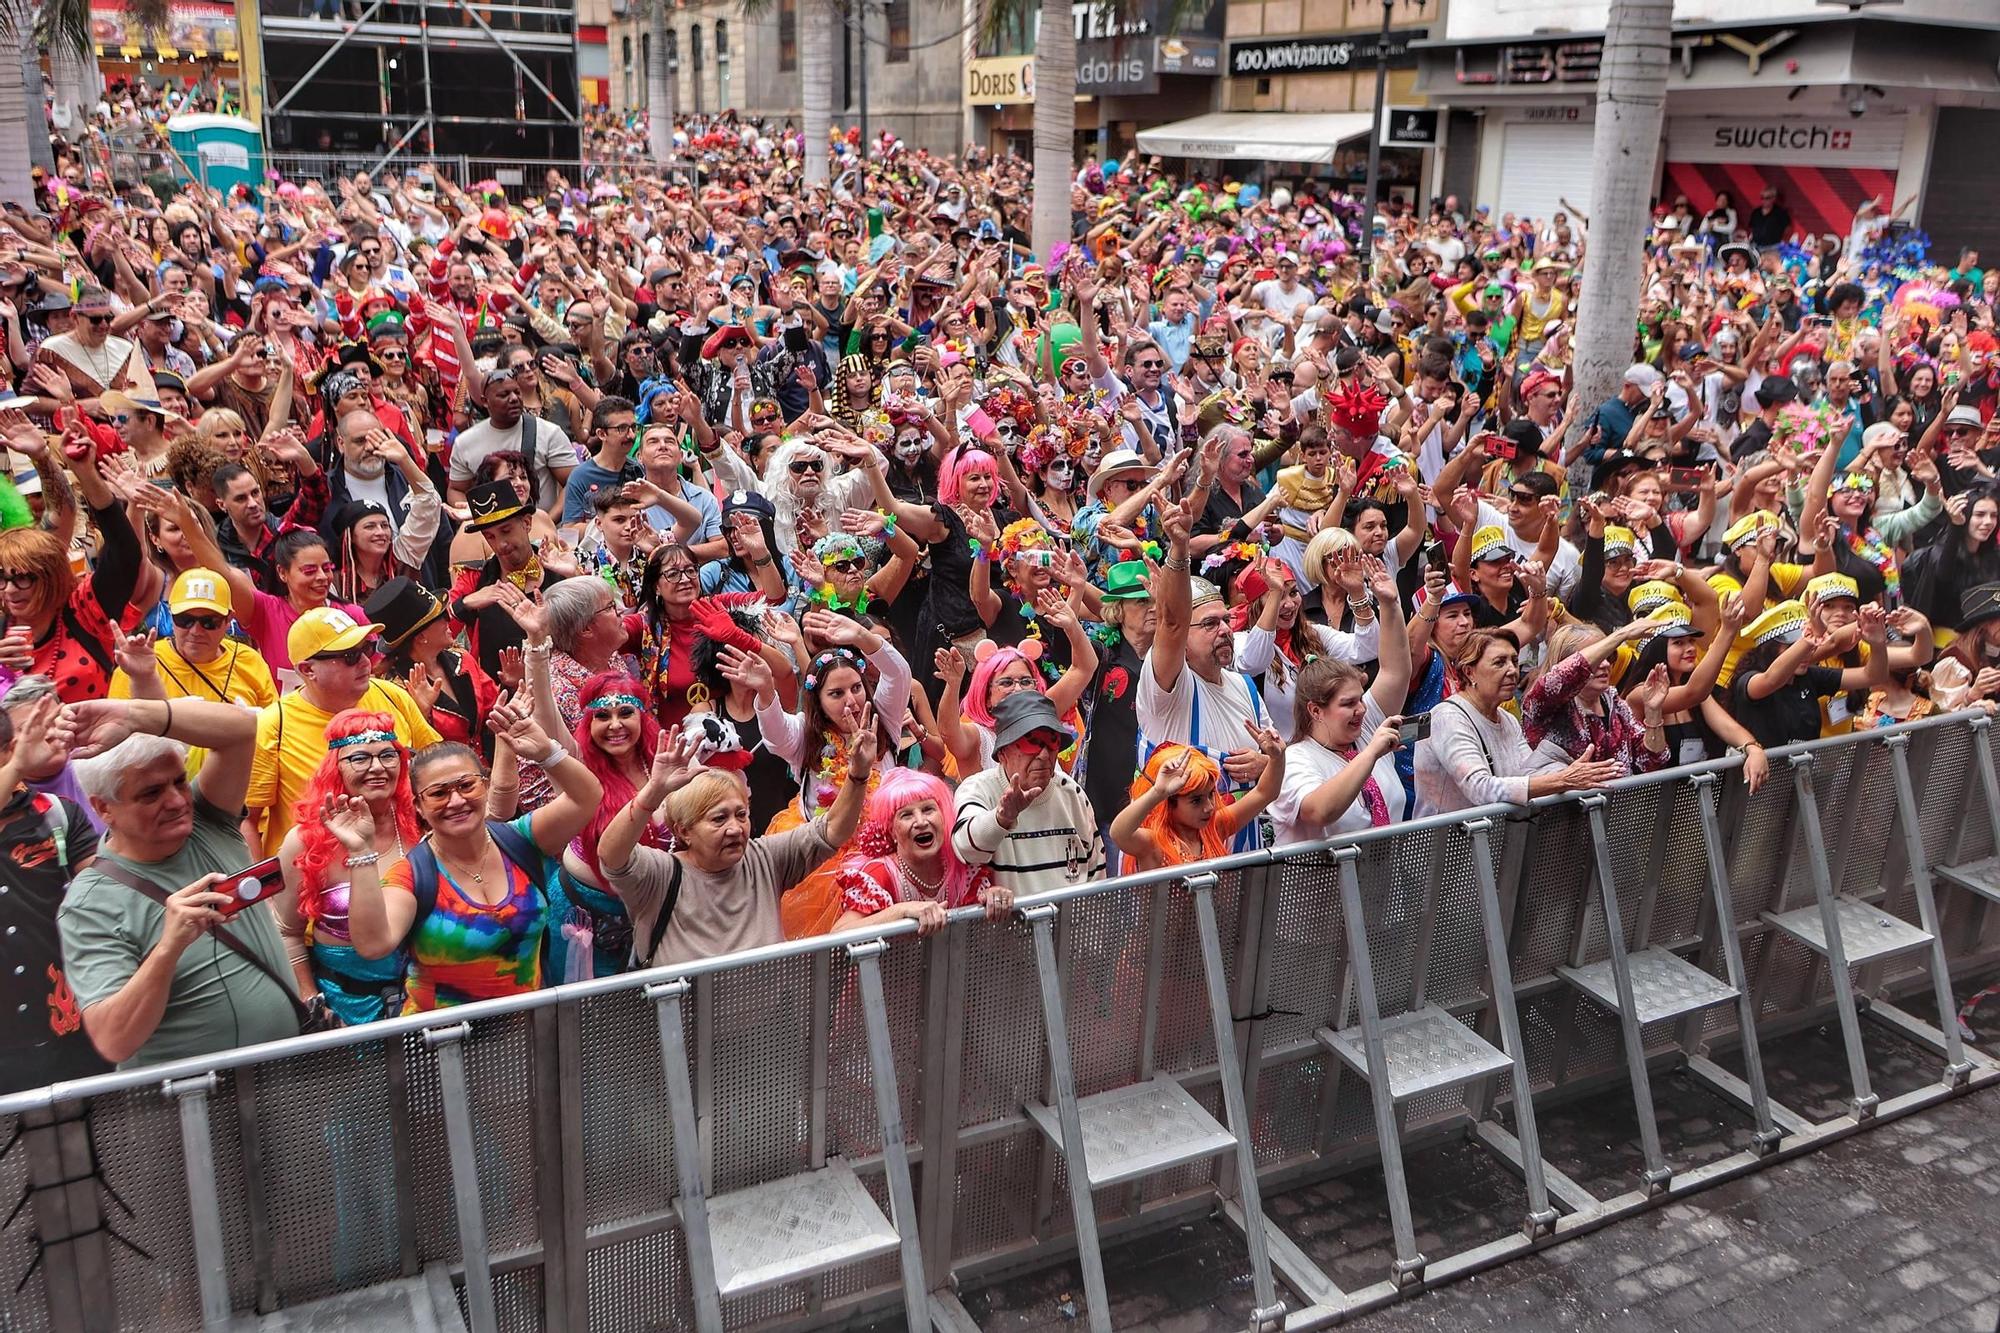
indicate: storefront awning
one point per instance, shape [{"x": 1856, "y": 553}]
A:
[{"x": 1272, "y": 136}]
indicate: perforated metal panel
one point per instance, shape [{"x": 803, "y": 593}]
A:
[
  {"x": 25, "y": 1310},
  {"x": 628, "y": 1134},
  {"x": 138, "y": 1148},
  {"x": 640, "y": 1284},
  {"x": 499, "y": 1083},
  {"x": 517, "y": 1300},
  {"x": 854, "y": 1128}
]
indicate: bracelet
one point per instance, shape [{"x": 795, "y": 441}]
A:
[
  {"x": 542, "y": 649},
  {"x": 168, "y": 725},
  {"x": 366, "y": 859},
  {"x": 1178, "y": 566},
  {"x": 555, "y": 756}
]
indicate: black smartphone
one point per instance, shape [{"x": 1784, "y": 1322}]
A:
[
  {"x": 1414, "y": 729},
  {"x": 251, "y": 885},
  {"x": 1435, "y": 556}
]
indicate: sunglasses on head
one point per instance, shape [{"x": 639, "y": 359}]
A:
[
  {"x": 190, "y": 620},
  {"x": 349, "y": 657}
]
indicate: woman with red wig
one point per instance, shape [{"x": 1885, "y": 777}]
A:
[
  {"x": 904, "y": 864},
  {"x": 615, "y": 738},
  {"x": 366, "y": 761}
]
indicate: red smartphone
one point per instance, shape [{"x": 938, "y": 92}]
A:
[
  {"x": 1686, "y": 478},
  {"x": 252, "y": 884},
  {"x": 1495, "y": 445}
]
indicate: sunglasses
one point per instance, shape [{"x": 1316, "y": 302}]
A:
[
  {"x": 98, "y": 320},
  {"x": 1150, "y": 365},
  {"x": 1039, "y": 742},
  {"x": 349, "y": 657},
  {"x": 393, "y": 354},
  {"x": 801, "y": 466},
  {"x": 850, "y": 565},
  {"x": 471, "y": 786},
  {"x": 735, "y": 342},
  {"x": 189, "y": 620}
]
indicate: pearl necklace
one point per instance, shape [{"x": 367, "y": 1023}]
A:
[{"x": 928, "y": 890}]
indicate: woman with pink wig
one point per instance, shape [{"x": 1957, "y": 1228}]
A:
[
  {"x": 962, "y": 531},
  {"x": 966, "y": 720},
  {"x": 903, "y": 863}
]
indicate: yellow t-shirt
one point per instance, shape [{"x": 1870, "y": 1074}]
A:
[
  {"x": 240, "y": 676},
  {"x": 291, "y": 740},
  {"x": 1836, "y": 718}
]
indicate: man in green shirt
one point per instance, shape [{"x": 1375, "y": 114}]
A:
[{"x": 159, "y": 980}]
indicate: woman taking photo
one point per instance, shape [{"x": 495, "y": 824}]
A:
[
  {"x": 904, "y": 864},
  {"x": 364, "y": 762},
  {"x": 1476, "y": 754},
  {"x": 468, "y": 905},
  {"x": 1699, "y": 727},
  {"x": 1340, "y": 769},
  {"x": 722, "y": 886}
]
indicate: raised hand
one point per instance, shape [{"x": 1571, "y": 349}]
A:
[
  {"x": 1020, "y": 793},
  {"x": 950, "y": 664},
  {"x": 350, "y": 821},
  {"x": 746, "y": 669},
  {"x": 1173, "y": 774},
  {"x": 134, "y": 653},
  {"x": 863, "y": 748},
  {"x": 513, "y": 669},
  {"x": 425, "y": 686},
  {"x": 527, "y": 612}
]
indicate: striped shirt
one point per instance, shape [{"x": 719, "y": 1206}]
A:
[{"x": 1053, "y": 844}]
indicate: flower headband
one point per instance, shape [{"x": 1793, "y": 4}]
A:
[
  {"x": 361, "y": 738},
  {"x": 1021, "y": 536},
  {"x": 1221, "y": 555},
  {"x": 826, "y": 661},
  {"x": 608, "y": 701},
  {"x": 837, "y": 546}
]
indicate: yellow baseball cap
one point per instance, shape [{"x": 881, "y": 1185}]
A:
[
  {"x": 199, "y": 590},
  {"x": 326, "y": 629}
]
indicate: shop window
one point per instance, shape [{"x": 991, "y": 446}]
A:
[
  {"x": 694, "y": 46},
  {"x": 897, "y": 17},
  {"x": 788, "y": 34}
]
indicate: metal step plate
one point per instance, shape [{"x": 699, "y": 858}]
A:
[
  {"x": 1137, "y": 1130},
  {"x": 1664, "y": 985},
  {"x": 1426, "y": 1049},
  {"x": 408, "y": 1303},
  {"x": 1866, "y": 933},
  {"x": 787, "y": 1229},
  {"x": 1980, "y": 877}
]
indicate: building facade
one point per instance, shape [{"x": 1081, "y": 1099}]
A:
[
  {"x": 1828, "y": 106},
  {"x": 721, "y": 59}
]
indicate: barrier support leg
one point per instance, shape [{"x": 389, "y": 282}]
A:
[
  {"x": 1090, "y": 1259},
  {"x": 1865, "y": 1100},
  {"x": 449, "y": 1043},
  {"x": 1957, "y": 1069},
  {"x": 1767, "y": 1135},
  {"x": 1541, "y": 1218},
  {"x": 895, "y": 1154},
  {"x": 693, "y": 1198},
  {"x": 1408, "y": 1269},
  {"x": 204, "y": 1209},
  {"x": 1658, "y": 1174},
  {"x": 1269, "y": 1313}
]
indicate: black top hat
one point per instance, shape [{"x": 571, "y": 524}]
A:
[
  {"x": 492, "y": 503},
  {"x": 1978, "y": 605},
  {"x": 402, "y": 607}
]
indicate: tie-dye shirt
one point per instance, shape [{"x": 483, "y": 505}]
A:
[{"x": 467, "y": 950}]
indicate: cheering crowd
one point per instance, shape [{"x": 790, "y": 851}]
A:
[{"x": 413, "y": 596}]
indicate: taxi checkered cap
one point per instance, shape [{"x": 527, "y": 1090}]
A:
[
  {"x": 1490, "y": 543},
  {"x": 1670, "y": 613},
  {"x": 1619, "y": 541},
  {"x": 1828, "y": 586},
  {"x": 1744, "y": 530},
  {"x": 1783, "y": 622},
  {"x": 1648, "y": 597}
]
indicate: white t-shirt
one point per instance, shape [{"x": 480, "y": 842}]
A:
[
  {"x": 553, "y": 449},
  {"x": 1308, "y": 764},
  {"x": 1275, "y": 300},
  {"x": 1565, "y": 571},
  {"x": 1226, "y": 709}
]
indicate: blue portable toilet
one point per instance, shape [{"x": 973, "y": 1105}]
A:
[{"x": 226, "y": 150}]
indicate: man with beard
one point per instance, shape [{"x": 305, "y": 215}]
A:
[
  {"x": 250, "y": 531},
  {"x": 1190, "y": 691}
]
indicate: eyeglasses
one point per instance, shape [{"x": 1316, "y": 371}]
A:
[
  {"x": 801, "y": 466},
  {"x": 362, "y": 762},
  {"x": 349, "y": 657},
  {"x": 680, "y": 574},
  {"x": 17, "y": 578},
  {"x": 471, "y": 787},
  {"x": 371, "y": 252},
  {"x": 189, "y": 620},
  {"x": 851, "y": 565},
  {"x": 1211, "y": 624}
]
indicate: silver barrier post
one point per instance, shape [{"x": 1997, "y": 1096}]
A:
[
  {"x": 692, "y": 1202},
  {"x": 204, "y": 1209},
  {"x": 1269, "y": 1313},
  {"x": 449, "y": 1043},
  {"x": 1981, "y": 878},
  {"x": 1819, "y": 929},
  {"x": 895, "y": 1155},
  {"x": 1957, "y": 1069},
  {"x": 1042, "y": 917},
  {"x": 1767, "y": 1135},
  {"x": 1541, "y": 1218}
]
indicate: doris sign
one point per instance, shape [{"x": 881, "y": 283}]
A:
[{"x": 1000, "y": 81}]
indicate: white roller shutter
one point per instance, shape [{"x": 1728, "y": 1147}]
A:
[{"x": 1540, "y": 165}]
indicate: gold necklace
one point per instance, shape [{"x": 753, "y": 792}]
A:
[{"x": 477, "y": 876}]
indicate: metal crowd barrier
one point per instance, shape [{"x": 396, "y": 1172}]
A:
[{"x": 829, "y": 1129}]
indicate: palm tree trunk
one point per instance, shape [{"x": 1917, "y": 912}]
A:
[
  {"x": 78, "y": 85},
  {"x": 1055, "y": 126},
  {"x": 659, "y": 98},
  {"x": 816, "y": 28},
  {"x": 23, "y": 131},
  {"x": 1631, "y": 105}
]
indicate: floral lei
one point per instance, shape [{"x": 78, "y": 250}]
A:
[{"x": 1869, "y": 545}]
